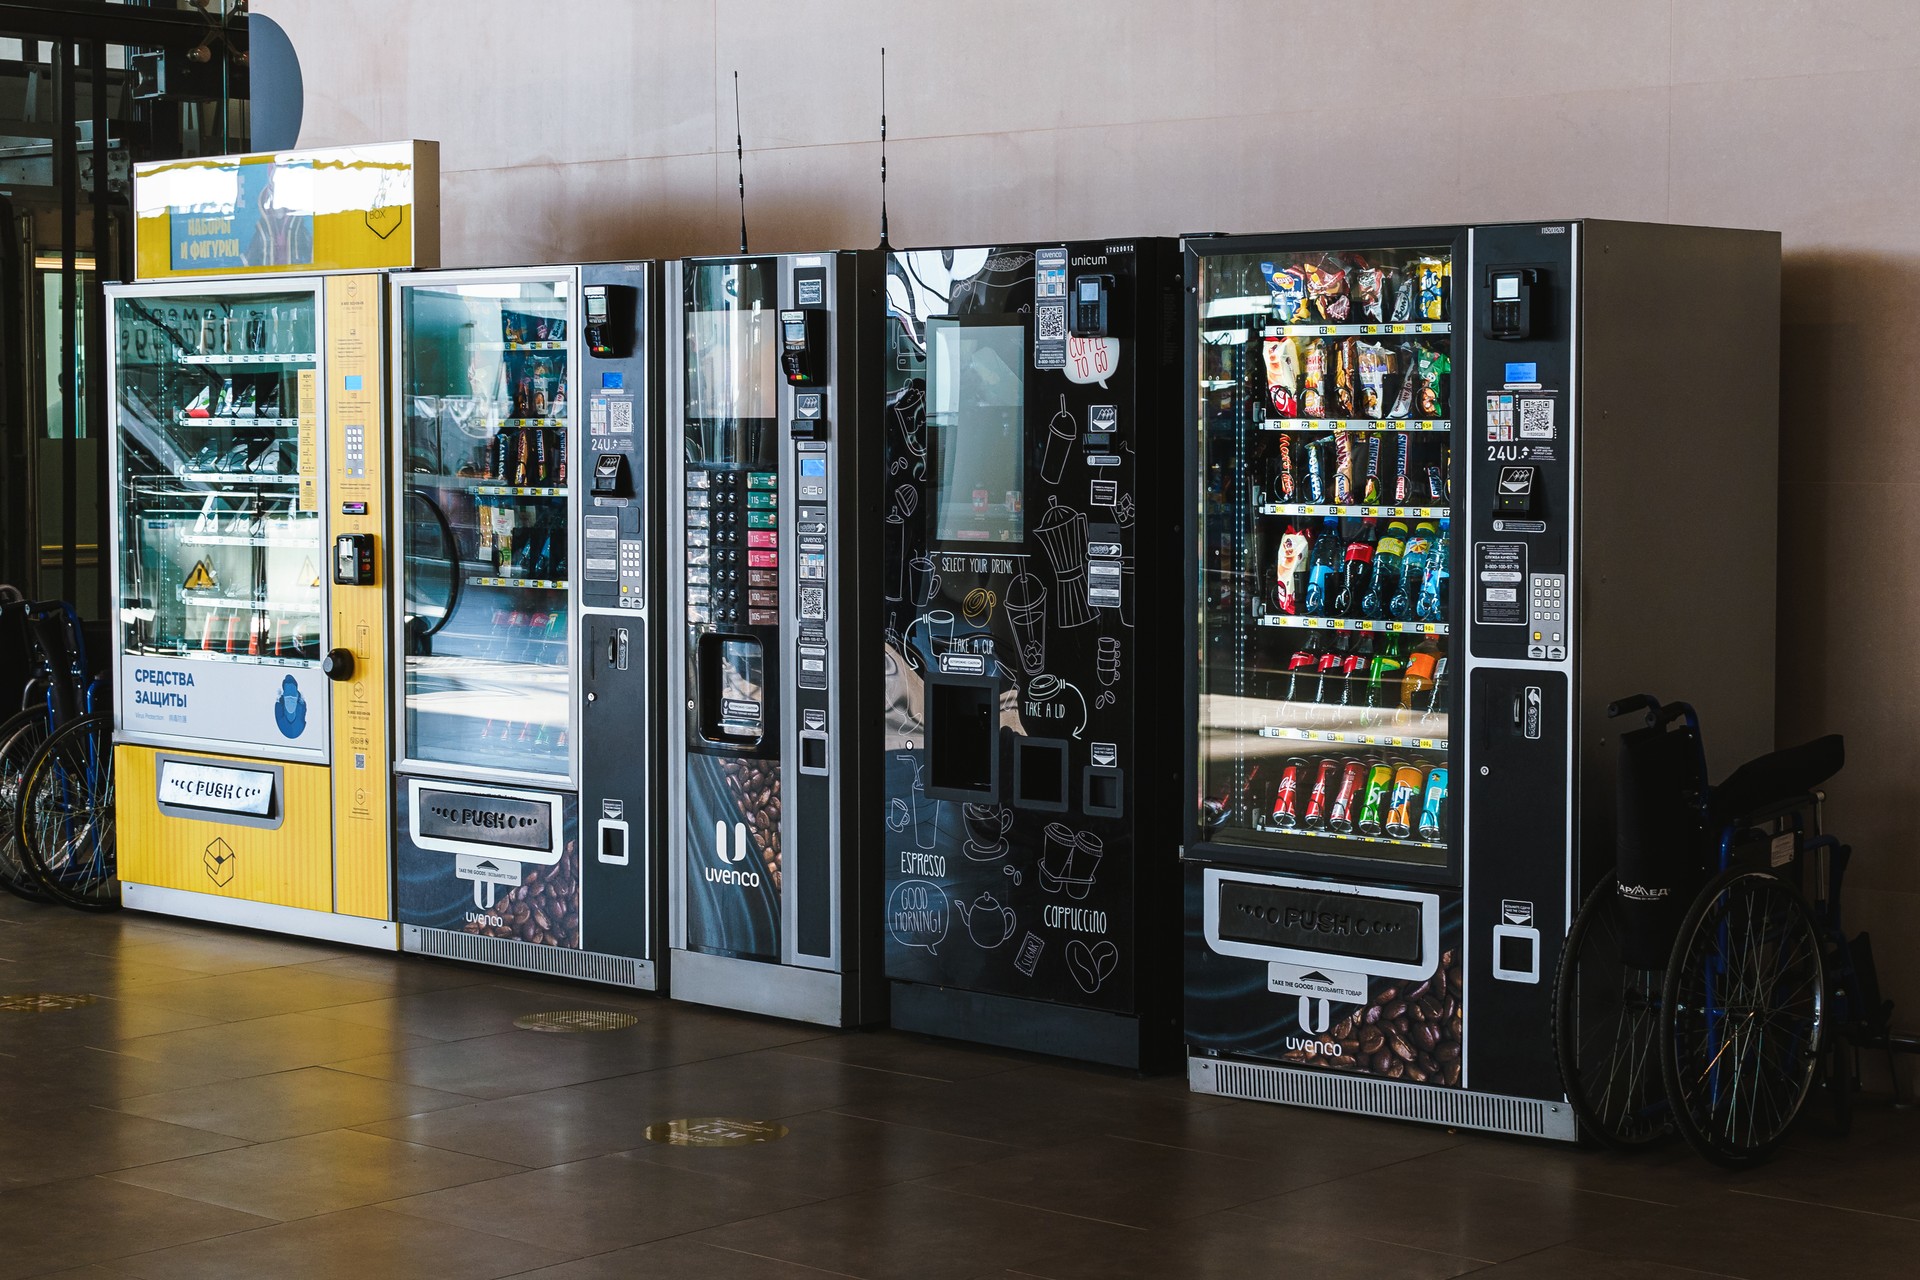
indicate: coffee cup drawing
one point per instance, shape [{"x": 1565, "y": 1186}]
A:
[
  {"x": 987, "y": 826},
  {"x": 977, "y": 607},
  {"x": 922, "y": 580}
]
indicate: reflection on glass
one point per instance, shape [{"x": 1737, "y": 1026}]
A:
[
  {"x": 220, "y": 536},
  {"x": 1326, "y": 608},
  {"x": 976, "y": 425},
  {"x": 484, "y": 420},
  {"x": 732, "y": 364}
]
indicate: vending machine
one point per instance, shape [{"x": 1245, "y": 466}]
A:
[
  {"x": 1452, "y": 490},
  {"x": 525, "y": 836},
  {"x": 1029, "y": 626},
  {"x": 250, "y": 647},
  {"x": 772, "y": 500}
]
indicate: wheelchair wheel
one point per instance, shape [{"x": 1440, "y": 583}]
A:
[
  {"x": 66, "y": 828},
  {"x": 1606, "y": 1029},
  {"x": 20, "y": 737},
  {"x": 1745, "y": 1001}
]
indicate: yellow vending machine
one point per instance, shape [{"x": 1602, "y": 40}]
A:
[{"x": 250, "y": 717}]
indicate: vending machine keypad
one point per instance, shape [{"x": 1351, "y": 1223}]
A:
[{"x": 1547, "y": 624}]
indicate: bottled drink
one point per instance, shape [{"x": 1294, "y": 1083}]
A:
[
  {"x": 1437, "y": 693},
  {"x": 1323, "y": 573},
  {"x": 1353, "y": 671},
  {"x": 1436, "y": 796},
  {"x": 1406, "y": 793},
  {"x": 1358, "y": 565},
  {"x": 1289, "y": 569},
  {"x": 1413, "y": 571},
  {"x": 1286, "y": 797},
  {"x": 1346, "y": 800},
  {"x": 1386, "y": 570},
  {"x": 1419, "y": 674},
  {"x": 1433, "y": 591},
  {"x": 1323, "y": 782},
  {"x": 1379, "y": 783},
  {"x": 1332, "y": 662},
  {"x": 1301, "y": 669},
  {"x": 1384, "y": 672}
]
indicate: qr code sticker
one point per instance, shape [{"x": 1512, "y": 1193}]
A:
[
  {"x": 1536, "y": 418},
  {"x": 1050, "y": 323}
]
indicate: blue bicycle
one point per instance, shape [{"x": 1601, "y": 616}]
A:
[{"x": 59, "y": 843}]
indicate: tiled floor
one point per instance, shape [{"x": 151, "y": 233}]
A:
[{"x": 235, "y": 1105}]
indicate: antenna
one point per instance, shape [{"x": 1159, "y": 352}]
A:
[
  {"x": 740, "y": 162},
  {"x": 883, "y": 148}
]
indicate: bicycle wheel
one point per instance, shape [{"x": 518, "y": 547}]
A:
[
  {"x": 66, "y": 816},
  {"x": 1606, "y": 1021},
  {"x": 20, "y": 737},
  {"x": 1745, "y": 1005}
]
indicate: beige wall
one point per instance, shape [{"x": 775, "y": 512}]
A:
[{"x": 603, "y": 128}]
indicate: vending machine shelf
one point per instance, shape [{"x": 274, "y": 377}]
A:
[
  {"x": 494, "y": 490},
  {"x": 1355, "y": 424},
  {"x": 1352, "y": 837},
  {"x": 242, "y": 540},
  {"x": 186, "y": 419},
  {"x": 1306, "y": 623},
  {"x": 1417, "y": 327},
  {"x": 248, "y": 603},
  {"x": 1352, "y": 738},
  {"x": 254, "y": 358},
  {"x": 531, "y": 584},
  {"x": 1351, "y": 509},
  {"x": 234, "y": 479}
]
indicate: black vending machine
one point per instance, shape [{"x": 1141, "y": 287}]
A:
[
  {"x": 1030, "y": 620},
  {"x": 771, "y": 776}
]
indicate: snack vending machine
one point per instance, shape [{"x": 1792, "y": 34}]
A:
[
  {"x": 772, "y": 782},
  {"x": 1032, "y": 513},
  {"x": 525, "y": 666},
  {"x": 250, "y": 647},
  {"x": 1454, "y": 490}
]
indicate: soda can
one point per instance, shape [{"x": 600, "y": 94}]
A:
[
  {"x": 1406, "y": 793},
  {"x": 1430, "y": 805},
  {"x": 1347, "y": 799},
  {"x": 1379, "y": 783},
  {"x": 1324, "y": 781},
  {"x": 1286, "y": 797}
]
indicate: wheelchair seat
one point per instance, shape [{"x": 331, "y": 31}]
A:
[{"x": 1777, "y": 776}]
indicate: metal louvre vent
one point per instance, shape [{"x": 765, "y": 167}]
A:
[
  {"x": 508, "y": 953},
  {"x": 1526, "y": 1117}
]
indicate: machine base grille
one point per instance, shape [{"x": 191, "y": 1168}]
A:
[
  {"x": 508, "y": 953},
  {"x": 1393, "y": 1099}
]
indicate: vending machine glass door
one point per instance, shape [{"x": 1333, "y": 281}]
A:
[
  {"x": 484, "y": 385},
  {"x": 1326, "y": 618}
]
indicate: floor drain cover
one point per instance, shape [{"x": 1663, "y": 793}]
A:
[
  {"x": 42, "y": 1002},
  {"x": 715, "y": 1131},
  {"x": 576, "y": 1020}
]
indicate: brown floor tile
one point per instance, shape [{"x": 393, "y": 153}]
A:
[
  {"x": 315, "y": 1174},
  {"x": 58, "y": 1145},
  {"x": 287, "y": 1104},
  {"x": 356, "y": 1244},
  {"x": 1565, "y": 1262},
  {"x": 554, "y": 1126},
  {"x": 601, "y": 1204},
  {"x": 209, "y": 950},
  {"x": 909, "y": 1055},
  {"x": 1761, "y": 1239},
  {"x": 764, "y": 1084},
  {"x": 916, "y": 1232},
  {"x": 257, "y": 993},
  {"x": 107, "y": 1021},
  {"x": 681, "y": 1260},
  {"x": 399, "y": 972},
  {"x": 36, "y": 1079},
  {"x": 1276, "y": 1135},
  {"x": 461, "y": 1012},
  {"x": 497, "y": 1066},
  {"x": 279, "y": 1043},
  {"x": 67, "y": 1224}
]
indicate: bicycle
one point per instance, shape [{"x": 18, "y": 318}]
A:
[
  {"x": 1701, "y": 990},
  {"x": 63, "y": 822},
  {"x": 38, "y": 714}
]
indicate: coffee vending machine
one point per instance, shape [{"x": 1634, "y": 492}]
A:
[
  {"x": 1029, "y": 629},
  {"x": 1453, "y": 490},
  {"x": 772, "y": 779},
  {"x": 527, "y": 458}
]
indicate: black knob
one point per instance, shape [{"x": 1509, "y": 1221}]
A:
[{"x": 337, "y": 665}]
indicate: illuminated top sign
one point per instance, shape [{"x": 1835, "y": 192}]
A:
[{"x": 275, "y": 213}]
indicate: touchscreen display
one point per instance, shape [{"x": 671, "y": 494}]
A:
[{"x": 976, "y": 426}]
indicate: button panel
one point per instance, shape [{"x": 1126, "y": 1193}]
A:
[
  {"x": 1547, "y": 616},
  {"x": 723, "y": 505}
]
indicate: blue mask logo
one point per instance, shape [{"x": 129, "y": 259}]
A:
[{"x": 290, "y": 709}]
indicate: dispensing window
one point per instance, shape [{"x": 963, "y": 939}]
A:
[
  {"x": 732, "y": 689},
  {"x": 1040, "y": 774},
  {"x": 963, "y": 737},
  {"x": 977, "y": 428}
]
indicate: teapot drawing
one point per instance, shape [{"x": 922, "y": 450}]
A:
[{"x": 988, "y": 923}]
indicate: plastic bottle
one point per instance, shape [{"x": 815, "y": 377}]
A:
[
  {"x": 1323, "y": 577},
  {"x": 1359, "y": 566},
  {"x": 1301, "y": 667},
  {"x": 1419, "y": 675},
  {"x": 1387, "y": 554},
  {"x": 1433, "y": 591},
  {"x": 1413, "y": 571}
]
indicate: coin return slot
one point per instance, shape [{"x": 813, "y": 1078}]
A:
[
  {"x": 963, "y": 737},
  {"x": 1040, "y": 773}
]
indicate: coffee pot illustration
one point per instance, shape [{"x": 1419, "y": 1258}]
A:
[{"x": 988, "y": 923}]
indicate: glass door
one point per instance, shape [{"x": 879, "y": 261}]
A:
[
  {"x": 218, "y": 473},
  {"x": 484, "y": 387},
  {"x": 1325, "y": 612}
]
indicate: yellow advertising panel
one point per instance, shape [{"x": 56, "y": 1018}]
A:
[
  {"x": 275, "y": 213},
  {"x": 362, "y": 827}
]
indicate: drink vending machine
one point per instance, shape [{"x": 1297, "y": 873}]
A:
[
  {"x": 771, "y": 494},
  {"x": 1453, "y": 490},
  {"x": 1031, "y": 516},
  {"x": 250, "y": 649},
  {"x": 529, "y": 560}
]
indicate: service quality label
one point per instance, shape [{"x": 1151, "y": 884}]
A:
[{"x": 216, "y": 787}]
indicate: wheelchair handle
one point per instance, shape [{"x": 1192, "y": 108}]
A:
[{"x": 1629, "y": 705}]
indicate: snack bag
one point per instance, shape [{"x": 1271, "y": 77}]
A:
[
  {"x": 1313, "y": 383},
  {"x": 1432, "y": 396},
  {"x": 1410, "y": 384},
  {"x": 1282, "y": 356},
  {"x": 1370, "y": 286},
  {"x": 1327, "y": 287},
  {"x": 1375, "y": 364},
  {"x": 1289, "y": 289},
  {"x": 1287, "y": 569},
  {"x": 1343, "y": 467},
  {"x": 1430, "y": 289},
  {"x": 1284, "y": 486},
  {"x": 1370, "y": 487},
  {"x": 1346, "y": 386}
]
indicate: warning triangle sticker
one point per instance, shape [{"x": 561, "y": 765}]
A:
[
  {"x": 309, "y": 572},
  {"x": 200, "y": 578}
]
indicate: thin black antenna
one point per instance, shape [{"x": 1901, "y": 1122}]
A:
[
  {"x": 883, "y": 148},
  {"x": 740, "y": 162}
]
